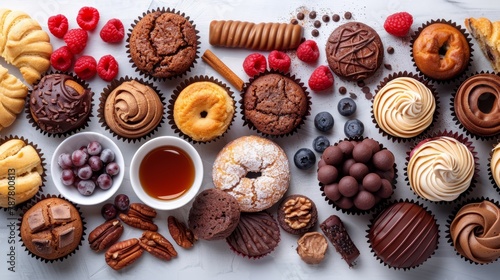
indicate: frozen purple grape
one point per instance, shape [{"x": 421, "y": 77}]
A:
[
  {"x": 86, "y": 187},
  {"x": 79, "y": 158},
  {"x": 67, "y": 177},
  {"x": 104, "y": 181},
  {"x": 109, "y": 211},
  {"x": 107, "y": 155},
  {"x": 64, "y": 161},
  {"x": 94, "y": 148},
  {"x": 112, "y": 168},
  {"x": 95, "y": 163},
  {"x": 122, "y": 202},
  {"x": 84, "y": 172}
]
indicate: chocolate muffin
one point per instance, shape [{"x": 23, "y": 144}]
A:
[
  {"x": 274, "y": 104},
  {"x": 59, "y": 103},
  {"x": 354, "y": 51},
  {"x": 297, "y": 214},
  {"x": 214, "y": 214},
  {"x": 163, "y": 44}
]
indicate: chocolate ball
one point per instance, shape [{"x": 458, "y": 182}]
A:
[
  {"x": 327, "y": 174},
  {"x": 347, "y": 165},
  {"x": 372, "y": 182},
  {"x": 332, "y": 191},
  {"x": 388, "y": 175},
  {"x": 346, "y": 147},
  {"x": 348, "y": 186},
  {"x": 385, "y": 189},
  {"x": 344, "y": 203},
  {"x": 362, "y": 153},
  {"x": 359, "y": 171},
  {"x": 365, "y": 200},
  {"x": 383, "y": 160},
  {"x": 332, "y": 155},
  {"x": 373, "y": 144}
]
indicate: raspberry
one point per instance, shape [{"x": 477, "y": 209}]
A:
[
  {"x": 87, "y": 18},
  {"x": 254, "y": 64},
  {"x": 76, "y": 40},
  {"x": 85, "y": 67},
  {"x": 308, "y": 51},
  {"x": 321, "y": 78},
  {"x": 112, "y": 31},
  {"x": 398, "y": 24},
  {"x": 107, "y": 68},
  {"x": 61, "y": 59},
  {"x": 58, "y": 25},
  {"x": 279, "y": 61}
]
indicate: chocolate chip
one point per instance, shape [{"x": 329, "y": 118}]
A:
[
  {"x": 312, "y": 15},
  {"x": 315, "y": 33},
  {"x": 353, "y": 95},
  {"x": 335, "y": 17},
  {"x": 390, "y": 50},
  {"x": 342, "y": 90},
  {"x": 361, "y": 84},
  {"x": 348, "y": 15},
  {"x": 387, "y": 66},
  {"x": 294, "y": 21},
  {"x": 368, "y": 94},
  {"x": 326, "y": 18},
  {"x": 300, "y": 16},
  {"x": 317, "y": 23}
]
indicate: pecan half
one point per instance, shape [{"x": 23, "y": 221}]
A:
[
  {"x": 181, "y": 234},
  {"x": 157, "y": 245},
  {"x": 123, "y": 253},
  {"x": 140, "y": 216},
  {"x": 105, "y": 235}
]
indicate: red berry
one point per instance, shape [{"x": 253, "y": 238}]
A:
[
  {"x": 58, "y": 25},
  {"x": 308, "y": 51},
  {"x": 398, "y": 24},
  {"x": 279, "y": 61},
  {"x": 76, "y": 40},
  {"x": 87, "y": 18},
  {"x": 112, "y": 31},
  {"x": 85, "y": 67},
  {"x": 61, "y": 59},
  {"x": 107, "y": 68},
  {"x": 321, "y": 78},
  {"x": 254, "y": 64}
]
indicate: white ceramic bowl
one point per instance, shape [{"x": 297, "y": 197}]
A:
[
  {"x": 151, "y": 145},
  {"x": 75, "y": 142}
]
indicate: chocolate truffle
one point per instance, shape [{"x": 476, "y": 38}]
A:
[{"x": 297, "y": 214}]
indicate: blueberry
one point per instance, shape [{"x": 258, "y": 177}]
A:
[
  {"x": 323, "y": 121},
  {"x": 320, "y": 143},
  {"x": 304, "y": 158},
  {"x": 353, "y": 128},
  {"x": 346, "y": 106}
]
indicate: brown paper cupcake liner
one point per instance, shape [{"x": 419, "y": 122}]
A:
[
  {"x": 147, "y": 74},
  {"x": 69, "y": 132},
  {"x": 462, "y": 139},
  {"x": 376, "y": 216},
  {"x": 454, "y": 25},
  {"x": 423, "y": 81},
  {"x": 175, "y": 95},
  {"x": 41, "y": 198},
  {"x": 43, "y": 175},
  {"x": 452, "y": 216},
  {"x": 102, "y": 102},
  {"x": 248, "y": 123},
  {"x": 354, "y": 210},
  {"x": 454, "y": 113}
]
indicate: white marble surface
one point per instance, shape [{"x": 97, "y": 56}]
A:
[{"x": 214, "y": 260}]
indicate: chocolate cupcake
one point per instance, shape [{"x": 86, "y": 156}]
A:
[
  {"x": 22, "y": 172},
  {"x": 51, "y": 229},
  {"x": 356, "y": 175},
  {"x": 131, "y": 109},
  {"x": 441, "y": 50},
  {"x": 59, "y": 104},
  {"x": 275, "y": 104},
  {"x": 163, "y": 44},
  {"x": 472, "y": 230},
  {"x": 201, "y": 109},
  {"x": 442, "y": 168},
  {"x": 297, "y": 214},
  {"x": 474, "y": 105},
  {"x": 405, "y": 106}
]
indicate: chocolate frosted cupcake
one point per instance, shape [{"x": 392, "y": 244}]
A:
[
  {"x": 442, "y": 168},
  {"x": 201, "y": 109},
  {"x": 404, "y": 107},
  {"x": 52, "y": 229},
  {"x": 473, "y": 231},
  {"x": 441, "y": 50},
  {"x": 275, "y": 104},
  {"x": 474, "y": 105},
  {"x": 59, "y": 104},
  {"x": 22, "y": 172},
  {"x": 163, "y": 44},
  {"x": 131, "y": 109},
  {"x": 356, "y": 175}
]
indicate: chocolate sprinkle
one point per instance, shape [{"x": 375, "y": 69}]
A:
[
  {"x": 312, "y": 15},
  {"x": 366, "y": 91},
  {"x": 315, "y": 32},
  {"x": 300, "y": 16},
  {"x": 342, "y": 90},
  {"x": 326, "y": 18},
  {"x": 317, "y": 23},
  {"x": 390, "y": 50},
  {"x": 294, "y": 21},
  {"x": 348, "y": 15},
  {"x": 388, "y": 66},
  {"x": 335, "y": 17}
]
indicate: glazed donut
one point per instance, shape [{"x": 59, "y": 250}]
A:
[
  {"x": 476, "y": 119},
  {"x": 441, "y": 51},
  {"x": 254, "y": 170}
]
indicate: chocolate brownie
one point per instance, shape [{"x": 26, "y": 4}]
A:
[{"x": 297, "y": 214}]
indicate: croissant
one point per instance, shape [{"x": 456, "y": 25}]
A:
[
  {"x": 24, "y": 44},
  {"x": 12, "y": 97},
  {"x": 487, "y": 35}
]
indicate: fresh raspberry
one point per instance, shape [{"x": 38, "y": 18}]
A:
[
  {"x": 254, "y": 64},
  {"x": 76, "y": 40},
  {"x": 308, "y": 51},
  {"x": 85, "y": 67},
  {"x": 112, "y": 31},
  {"x": 61, "y": 59},
  {"x": 58, "y": 25},
  {"x": 279, "y": 61},
  {"x": 87, "y": 18},
  {"x": 398, "y": 24},
  {"x": 321, "y": 78},
  {"x": 107, "y": 68}
]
